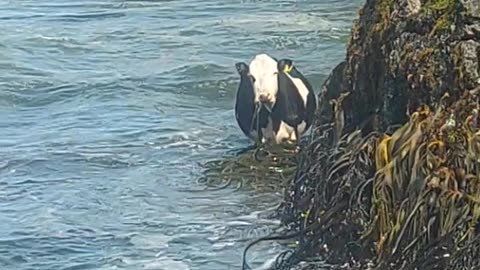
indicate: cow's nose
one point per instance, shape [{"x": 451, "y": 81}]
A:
[{"x": 264, "y": 98}]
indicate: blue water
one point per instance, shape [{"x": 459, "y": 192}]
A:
[{"x": 108, "y": 108}]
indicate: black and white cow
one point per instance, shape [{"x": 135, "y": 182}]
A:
[
  {"x": 295, "y": 103},
  {"x": 274, "y": 102},
  {"x": 256, "y": 97},
  {"x": 250, "y": 116}
]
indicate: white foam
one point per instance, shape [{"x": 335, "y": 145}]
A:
[
  {"x": 166, "y": 263},
  {"x": 156, "y": 241},
  {"x": 273, "y": 22},
  {"x": 267, "y": 264}
]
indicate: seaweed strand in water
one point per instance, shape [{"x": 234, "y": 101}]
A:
[{"x": 263, "y": 168}]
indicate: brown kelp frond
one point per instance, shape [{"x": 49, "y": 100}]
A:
[
  {"x": 335, "y": 168},
  {"x": 410, "y": 199},
  {"x": 264, "y": 169}
]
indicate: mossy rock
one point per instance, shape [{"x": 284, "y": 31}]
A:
[{"x": 404, "y": 53}]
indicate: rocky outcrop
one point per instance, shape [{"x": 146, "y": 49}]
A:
[
  {"x": 391, "y": 177},
  {"x": 403, "y": 53}
]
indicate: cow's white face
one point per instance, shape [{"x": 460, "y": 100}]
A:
[{"x": 264, "y": 71}]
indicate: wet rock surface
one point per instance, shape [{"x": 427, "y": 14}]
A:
[{"x": 405, "y": 53}]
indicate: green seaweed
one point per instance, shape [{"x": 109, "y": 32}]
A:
[{"x": 443, "y": 12}]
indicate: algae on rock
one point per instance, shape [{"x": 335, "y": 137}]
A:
[
  {"x": 391, "y": 178},
  {"x": 404, "y": 53}
]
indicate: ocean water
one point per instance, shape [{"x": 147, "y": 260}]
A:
[{"x": 108, "y": 109}]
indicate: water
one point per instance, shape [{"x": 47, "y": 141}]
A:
[{"x": 107, "y": 110}]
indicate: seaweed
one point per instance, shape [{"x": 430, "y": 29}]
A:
[
  {"x": 265, "y": 169},
  {"x": 390, "y": 176},
  {"x": 405, "y": 200}
]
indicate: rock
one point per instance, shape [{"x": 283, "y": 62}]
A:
[
  {"x": 405, "y": 53},
  {"x": 472, "y": 7},
  {"x": 402, "y": 54},
  {"x": 468, "y": 64},
  {"x": 329, "y": 91}
]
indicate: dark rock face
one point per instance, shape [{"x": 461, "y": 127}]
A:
[
  {"x": 354, "y": 190},
  {"x": 403, "y": 53}
]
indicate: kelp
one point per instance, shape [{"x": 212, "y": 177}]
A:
[
  {"x": 409, "y": 199},
  {"x": 370, "y": 195},
  {"x": 265, "y": 168}
]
